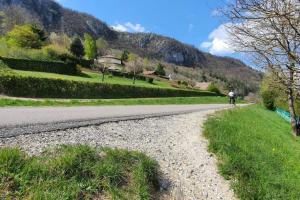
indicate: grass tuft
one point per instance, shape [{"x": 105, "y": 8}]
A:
[{"x": 77, "y": 172}]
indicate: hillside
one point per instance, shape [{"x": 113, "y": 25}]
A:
[{"x": 55, "y": 18}]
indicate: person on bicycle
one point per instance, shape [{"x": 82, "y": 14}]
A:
[{"x": 232, "y": 97}]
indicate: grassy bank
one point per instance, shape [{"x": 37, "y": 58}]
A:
[
  {"x": 257, "y": 151},
  {"x": 104, "y": 102},
  {"x": 77, "y": 173},
  {"x": 94, "y": 78}
]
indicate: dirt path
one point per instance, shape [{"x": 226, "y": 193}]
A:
[{"x": 189, "y": 170}]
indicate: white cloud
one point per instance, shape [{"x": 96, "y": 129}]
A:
[
  {"x": 219, "y": 41},
  {"x": 129, "y": 27}
]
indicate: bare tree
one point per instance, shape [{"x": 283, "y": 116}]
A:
[
  {"x": 269, "y": 31},
  {"x": 134, "y": 66},
  {"x": 101, "y": 67}
]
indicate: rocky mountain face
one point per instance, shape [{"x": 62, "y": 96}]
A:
[{"x": 54, "y": 18}]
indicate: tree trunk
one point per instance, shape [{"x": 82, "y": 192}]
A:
[
  {"x": 133, "y": 79},
  {"x": 291, "y": 102}
]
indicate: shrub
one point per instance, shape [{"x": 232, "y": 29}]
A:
[
  {"x": 150, "y": 80},
  {"x": 269, "y": 99},
  {"x": 160, "y": 70},
  {"x": 213, "y": 88},
  {"x": 15, "y": 85},
  {"x": 77, "y": 48},
  {"x": 42, "y": 66},
  {"x": 26, "y": 36}
]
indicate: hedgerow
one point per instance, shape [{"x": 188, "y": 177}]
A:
[
  {"x": 20, "y": 86},
  {"x": 58, "y": 67}
]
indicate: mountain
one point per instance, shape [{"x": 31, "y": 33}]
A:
[{"x": 55, "y": 18}]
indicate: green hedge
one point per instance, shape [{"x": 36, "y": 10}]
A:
[
  {"x": 128, "y": 75},
  {"x": 68, "y": 68},
  {"x": 20, "y": 86}
]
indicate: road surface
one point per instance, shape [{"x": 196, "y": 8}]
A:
[{"x": 27, "y": 120}]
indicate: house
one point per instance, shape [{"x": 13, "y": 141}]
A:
[{"x": 110, "y": 61}]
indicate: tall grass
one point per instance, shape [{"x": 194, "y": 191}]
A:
[
  {"x": 258, "y": 152},
  {"x": 77, "y": 172}
]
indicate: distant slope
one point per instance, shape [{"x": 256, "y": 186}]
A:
[{"x": 55, "y": 18}]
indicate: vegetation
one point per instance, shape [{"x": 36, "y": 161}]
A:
[
  {"x": 274, "y": 95},
  {"x": 102, "y": 46},
  {"x": 214, "y": 88},
  {"x": 77, "y": 172},
  {"x": 134, "y": 66},
  {"x": 125, "y": 56},
  {"x": 26, "y": 36},
  {"x": 272, "y": 36},
  {"x": 96, "y": 78},
  {"x": 160, "y": 70},
  {"x": 41, "y": 66},
  {"x": 29, "y": 86},
  {"x": 90, "y": 48},
  {"x": 257, "y": 152},
  {"x": 77, "y": 48},
  {"x": 102, "y": 102},
  {"x": 269, "y": 100}
]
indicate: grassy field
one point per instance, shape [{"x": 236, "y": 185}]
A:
[
  {"x": 102, "y": 102},
  {"x": 94, "y": 77},
  {"x": 257, "y": 151},
  {"x": 77, "y": 172}
]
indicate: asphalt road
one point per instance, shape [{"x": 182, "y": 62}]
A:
[{"x": 26, "y": 120}]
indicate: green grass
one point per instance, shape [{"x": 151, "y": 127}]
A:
[
  {"x": 77, "y": 172},
  {"x": 257, "y": 151},
  {"x": 94, "y": 77},
  {"x": 103, "y": 102}
]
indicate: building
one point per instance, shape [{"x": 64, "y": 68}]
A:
[{"x": 109, "y": 59}]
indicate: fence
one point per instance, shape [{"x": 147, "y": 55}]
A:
[{"x": 285, "y": 115}]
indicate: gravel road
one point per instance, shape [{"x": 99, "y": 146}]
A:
[{"x": 189, "y": 171}]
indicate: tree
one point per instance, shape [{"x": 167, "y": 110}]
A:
[
  {"x": 102, "y": 46},
  {"x": 77, "y": 48},
  {"x": 90, "y": 48},
  {"x": 160, "y": 70},
  {"x": 269, "y": 32},
  {"x": 125, "y": 56},
  {"x": 26, "y": 36},
  {"x": 100, "y": 67},
  {"x": 61, "y": 40},
  {"x": 40, "y": 31},
  {"x": 134, "y": 66}
]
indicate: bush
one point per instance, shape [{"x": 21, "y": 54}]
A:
[
  {"x": 160, "y": 70},
  {"x": 150, "y": 80},
  {"x": 269, "y": 99},
  {"x": 26, "y": 36},
  {"x": 68, "y": 68},
  {"x": 15, "y": 85},
  {"x": 213, "y": 88}
]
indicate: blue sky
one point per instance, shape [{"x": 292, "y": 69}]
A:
[{"x": 190, "y": 21}]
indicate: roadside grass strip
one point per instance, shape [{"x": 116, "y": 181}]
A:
[
  {"x": 257, "y": 151},
  {"x": 105, "y": 102}
]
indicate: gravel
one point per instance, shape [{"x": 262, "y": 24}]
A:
[{"x": 188, "y": 170}]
